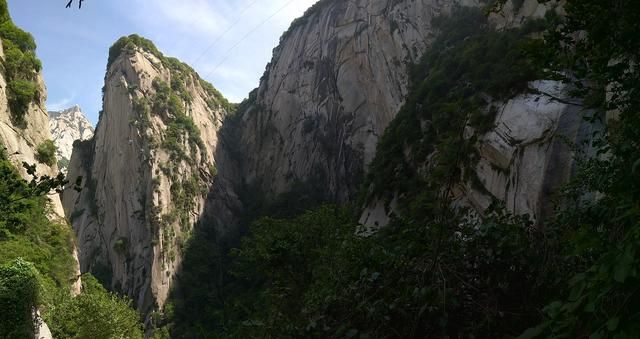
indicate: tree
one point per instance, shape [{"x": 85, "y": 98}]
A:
[
  {"x": 46, "y": 153},
  {"x": 19, "y": 297},
  {"x": 96, "y": 313}
]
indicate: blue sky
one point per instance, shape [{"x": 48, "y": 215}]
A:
[{"x": 73, "y": 44}]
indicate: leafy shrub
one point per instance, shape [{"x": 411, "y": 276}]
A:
[
  {"x": 96, "y": 313},
  {"x": 598, "y": 43},
  {"x": 46, "y": 153},
  {"x": 20, "y": 66},
  {"x": 21, "y": 93},
  {"x": 19, "y": 296},
  {"x": 25, "y": 230}
]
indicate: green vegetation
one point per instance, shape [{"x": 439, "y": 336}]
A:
[
  {"x": 96, "y": 313},
  {"x": 63, "y": 163},
  {"x": 25, "y": 230},
  {"x": 469, "y": 68},
  {"x": 21, "y": 66},
  {"x": 36, "y": 267},
  {"x": 598, "y": 42},
  {"x": 19, "y": 295},
  {"x": 46, "y": 153},
  {"x": 181, "y": 72},
  {"x": 128, "y": 44},
  {"x": 35, "y": 253}
]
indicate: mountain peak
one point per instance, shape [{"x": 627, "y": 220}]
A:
[{"x": 67, "y": 126}]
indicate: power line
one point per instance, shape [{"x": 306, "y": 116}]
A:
[
  {"x": 225, "y": 32},
  {"x": 228, "y": 54}
]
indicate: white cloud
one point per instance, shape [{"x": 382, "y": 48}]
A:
[
  {"x": 188, "y": 16},
  {"x": 61, "y": 104},
  {"x": 227, "y": 42}
]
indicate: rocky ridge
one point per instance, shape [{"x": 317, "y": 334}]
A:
[
  {"x": 147, "y": 171},
  {"x": 66, "y": 127}
]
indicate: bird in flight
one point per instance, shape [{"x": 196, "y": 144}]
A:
[{"x": 71, "y": 1}]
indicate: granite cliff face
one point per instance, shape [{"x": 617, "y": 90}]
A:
[
  {"x": 22, "y": 139},
  {"x": 146, "y": 171},
  {"x": 337, "y": 80},
  {"x": 66, "y": 127}
]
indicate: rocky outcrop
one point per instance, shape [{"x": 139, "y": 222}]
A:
[
  {"x": 527, "y": 156},
  {"x": 66, "y": 127},
  {"x": 146, "y": 171}
]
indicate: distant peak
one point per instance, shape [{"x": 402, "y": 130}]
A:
[{"x": 72, "y": 109}]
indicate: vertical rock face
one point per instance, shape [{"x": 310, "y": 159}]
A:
[
  {"x": 340, "y": 76},
  {"x": 22, "y": 139},
  {"x": 146, "y": 171},
  {"x": 66, "y": 127},
  {"x": 337, "y": 79}
]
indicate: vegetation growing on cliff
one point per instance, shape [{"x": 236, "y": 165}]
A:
[
  {"x": 36, "y": 266},
  {"x": 128, "y": 44},
  {"x": 469, "y": 69},
  {"x": 96, "y": 313},
  {"x": 21, "y": 66},
  {"x": 46, "y": 153}
]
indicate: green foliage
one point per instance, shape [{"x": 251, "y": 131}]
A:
[
  {"x": 96, "y": 313},
  {"x": 46, "y": 153},
  {"x": 216, "y": 99},
  {"x": 20, "y": 66},
  {"x": 19, "y": 296},
  {"x": 438, "y": 271},
  {"x": 21, "y": 94},
  {"x": 313, "y": 277},
  {"x": 468, "y": 67},
  {"x": 181, "y": 72},
  {"x": 27, "y": 235},
  {"x": 25, "y": 230},
  {"x": 63, "y": 163},
  {"x": 598, "y": 43},
  {"x": 128, "y": 44}
]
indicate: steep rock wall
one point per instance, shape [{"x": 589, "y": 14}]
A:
[
  {"x": 337, "y": 79},
  {"x": 147, "y": 171}
]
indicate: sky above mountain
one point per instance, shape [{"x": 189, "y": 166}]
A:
[{"x": 228, "y": 42}]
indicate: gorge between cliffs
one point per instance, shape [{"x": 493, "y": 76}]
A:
[{"x": 404, "y": 169}]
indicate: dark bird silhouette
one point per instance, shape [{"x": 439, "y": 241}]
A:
[{"x": 79, "y": 4}]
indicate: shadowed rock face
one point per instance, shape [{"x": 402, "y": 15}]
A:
[{"x": 146, "y": 174}]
